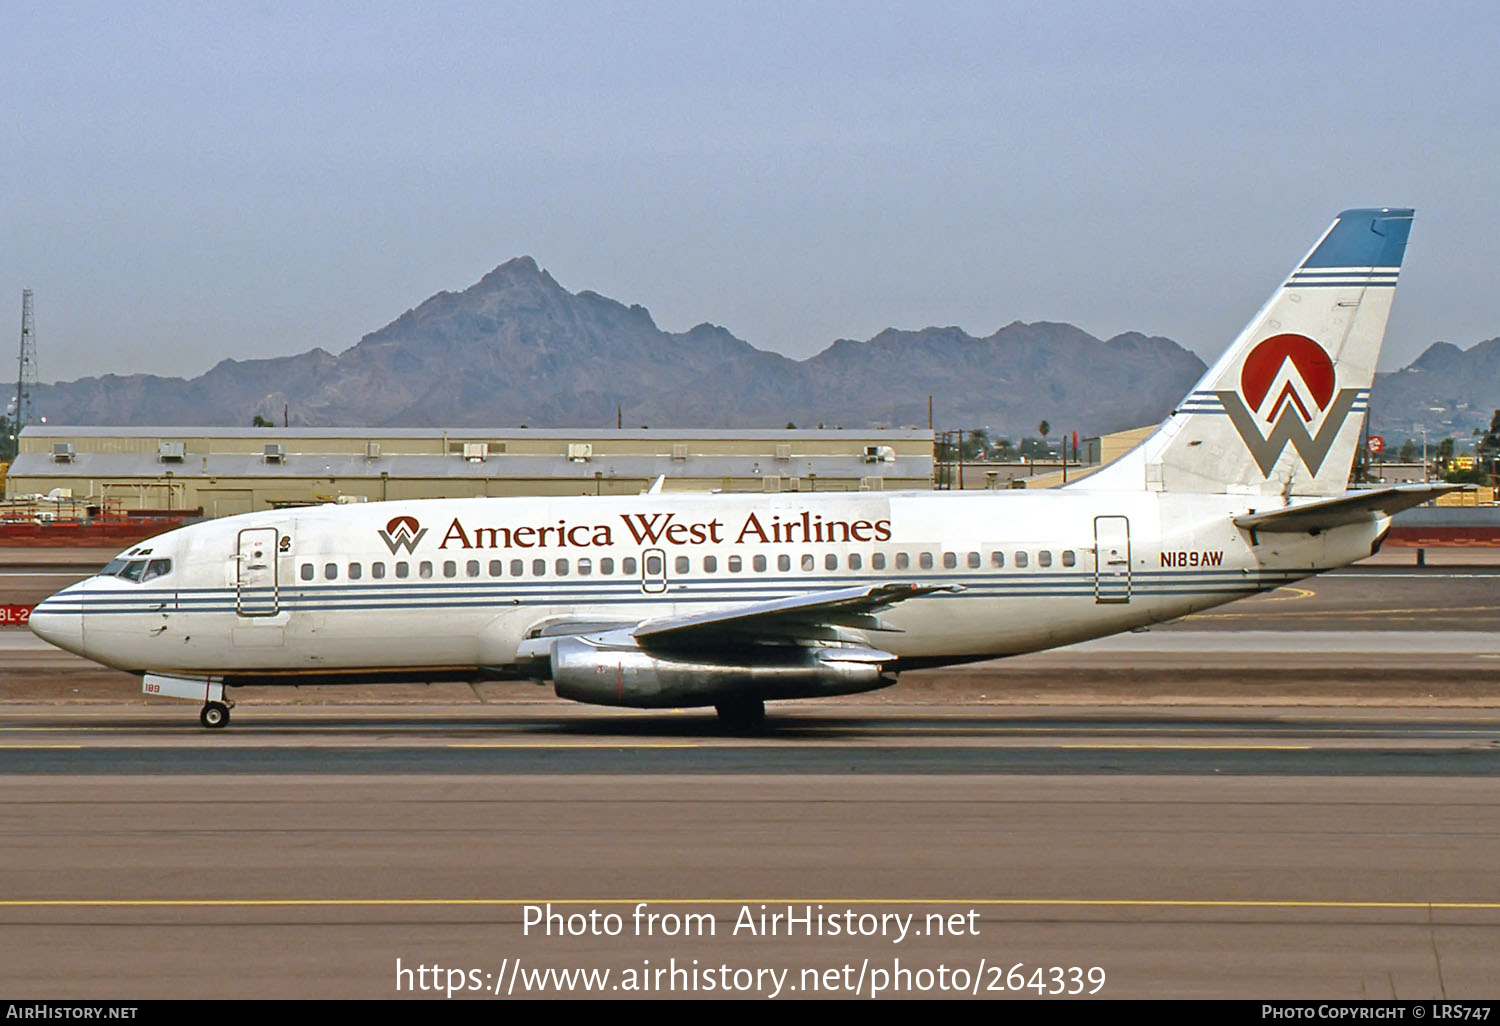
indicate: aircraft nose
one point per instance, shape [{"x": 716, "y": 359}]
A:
[{"x": 59, "y": 621}]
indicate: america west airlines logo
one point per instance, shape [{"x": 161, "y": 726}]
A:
[
  {"x": 402, "y": 533},
  {"x": 1287, "y": 384}
]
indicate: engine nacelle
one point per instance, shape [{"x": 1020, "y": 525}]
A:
[{"x": 614, "y": 675}]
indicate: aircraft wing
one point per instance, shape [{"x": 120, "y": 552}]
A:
[
  {"x": 812, "y": 616},
  {"x": 1349, "y": 508},
  {"x": 841, "y": 607}
]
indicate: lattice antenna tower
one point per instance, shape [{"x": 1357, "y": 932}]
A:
[{"x": 26, "y": 379}]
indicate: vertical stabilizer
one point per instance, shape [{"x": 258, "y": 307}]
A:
[{"x": 1281, "y": 411}]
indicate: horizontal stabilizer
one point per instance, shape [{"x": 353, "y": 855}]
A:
[{"x": 1349, "y": 508}]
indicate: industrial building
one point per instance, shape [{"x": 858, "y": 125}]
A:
[{"x": 223, "y": 471}]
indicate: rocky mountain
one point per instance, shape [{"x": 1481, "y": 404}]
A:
[
  {"x": 517, "y": 348},
  {"x": 1448, "y": 390}
]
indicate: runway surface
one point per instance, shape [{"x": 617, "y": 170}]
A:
[
  {"x": 1184, "y": 852},
  {"x": 1295, "y": 800}
]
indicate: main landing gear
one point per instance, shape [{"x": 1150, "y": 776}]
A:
[
  {"x": 214, "y": 716},
  {"x": 742, "y": 715}
]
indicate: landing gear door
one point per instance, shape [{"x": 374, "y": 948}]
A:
[
  {"x": 256, "y": 586},
  {"x": 1112, "y": 581}
]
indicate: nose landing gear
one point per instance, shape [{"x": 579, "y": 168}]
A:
[
  {"x": 210, "y": 691},
  {"x": 214, "y": 715}
]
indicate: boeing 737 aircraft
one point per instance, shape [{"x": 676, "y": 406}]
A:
[{"x": 668, "y": 600}]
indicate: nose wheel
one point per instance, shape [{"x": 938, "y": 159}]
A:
[{"x": 214, "y": 716}]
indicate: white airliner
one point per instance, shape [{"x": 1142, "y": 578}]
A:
[{"x": 669, "y": 600}]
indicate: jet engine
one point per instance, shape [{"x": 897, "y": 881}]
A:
[{"x": 591, "y": 670}]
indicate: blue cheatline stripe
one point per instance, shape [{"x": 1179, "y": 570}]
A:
[
  {"x": 1339, "y": 284},
  {"x": 1144, "y": 583},
  {"x": 1347, "y": 272},
  {"x": 748, "y": 585},
  {"x": 457, "y": 606}
]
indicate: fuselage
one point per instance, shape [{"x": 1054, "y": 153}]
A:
[{"x": 451, "y": 587}]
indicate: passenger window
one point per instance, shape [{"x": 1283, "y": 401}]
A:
[
  {"x": 855, "y": 562},
  {"x": 950, "y": 561},
  {"x": 497, "y": 568},
  {"x": 539, "y": 568},
  {"x": 924, "y": 560},
  {"x": 424, "y": 569},
  {"x": 403, "y": 571},
  {"x": 783, "y": 563},
  {"x": 974, "y": 561},
  {"x": 760, "y": 564},
  {"x": 710, "y": 564},
  {"x": 606, "y": 565},
  {"x": 902, "y": 561},
  {"x": 627, "y": 566},
  {"x": 356, "y": 571},
  {"x": 683, "y": 564},
  {"x": 1021, "y": 560},
  {"x": 830, "y": 562},
  {"x": 1044, "y": 558},
  {"x": 450, "y": 568},
  {"x": 377, "y": 570},
  {"x": 330, "y": 571},
  {"x": 471, "y": 568},
  {"x": 809, "y": 561},
  {"x": 654, "y": 566},
  {"x": 585, "y": 567},
  {"x": 307, "y": 571},
  {"x": 517, "y": 568},
  {"x": 736, "y": 564},
  {"x": 156, "y": 568},
  {"x": 997, "y": 559},
  {"x": 877, "y": 561},
  {"x": 561, "y": 566},
  {"x": 1070, "y": 558}
]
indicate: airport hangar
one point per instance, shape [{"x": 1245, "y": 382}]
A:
[{"x": 224, "y": 471}]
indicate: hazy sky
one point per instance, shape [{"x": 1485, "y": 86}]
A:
[{"x": 181, "y": 183}]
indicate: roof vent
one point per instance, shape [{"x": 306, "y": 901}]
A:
[
  {"x": 62, "y": 452},
  {"x": 275, "y": 454},
  {"x": 580, "y": 452},
  {"x": 171, "y": 452},
  {"x": 476, "y": 452}
]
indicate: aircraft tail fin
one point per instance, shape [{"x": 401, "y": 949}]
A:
[{"x": 1281, "y": 411}]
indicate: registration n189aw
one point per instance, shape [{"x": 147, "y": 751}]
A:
[{"x": 669, "y": 600}]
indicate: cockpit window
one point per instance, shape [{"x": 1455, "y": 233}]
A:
[{"x": 137, "y": 570}]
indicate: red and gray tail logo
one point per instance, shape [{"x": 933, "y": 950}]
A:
[
  {"x": 402, "y": 533},
  {"x": 1287, "y": 384}
]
